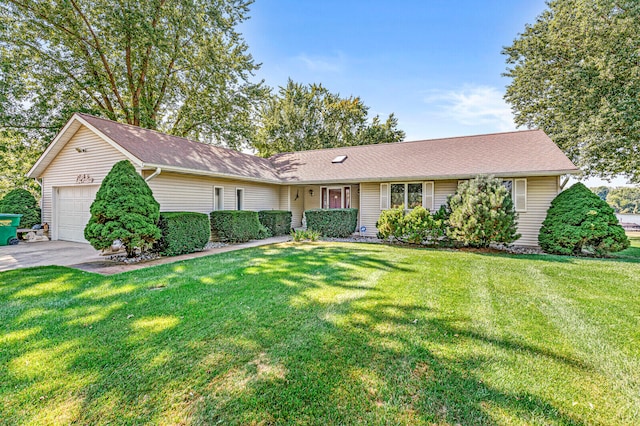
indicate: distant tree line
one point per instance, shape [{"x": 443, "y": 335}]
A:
[{"x": 625, "y": 200}]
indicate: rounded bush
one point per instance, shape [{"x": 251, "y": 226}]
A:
[
  {"x": 125, "y": 210},
  {"x": 21, "y": 201},
  {"x": 578, "y": 221}
]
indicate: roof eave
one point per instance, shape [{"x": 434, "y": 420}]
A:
[
  {"x": 536, "y": 173},
  {"x": 188, "y": 171}
]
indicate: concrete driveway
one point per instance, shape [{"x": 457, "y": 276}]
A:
[{"x": 44, "y": 253}]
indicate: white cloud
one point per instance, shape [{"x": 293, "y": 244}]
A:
[
  {"x": 472, "y": 106},
  {"x": 331, "y": 64}
]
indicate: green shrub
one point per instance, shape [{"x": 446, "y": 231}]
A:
[
  {"x": 235, "y": 226},
  {"x": 580, "y": 220},
  {"x": 182, "y": 232},
  {"x": 125, "y": 210},
  {"x": 416, "y": 227},
  {"x": 277, "y": 221},
  {"x": 263, "y": 232},
  {"x": 21, "y": 201},
  {"x": 302, "y": 235},
  {"x": 481, "y": 213},
  {"x": 332, "y": 223}
]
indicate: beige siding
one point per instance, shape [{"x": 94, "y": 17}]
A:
[
  {"x": 68, "y": 164},
  {"x": 369, "y": 207},
  {"x": 178, "y": 192},
  {"x": 540, "y": 192},
  {"x": 443, "y": 189},
  {"x": 284, "y": 198},
  {"x": 312, "y": 201}
]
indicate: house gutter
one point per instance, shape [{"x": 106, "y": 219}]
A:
[{"x": 154, "y": 174}]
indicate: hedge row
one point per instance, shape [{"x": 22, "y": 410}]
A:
[
  {"x": 332, "y": 223},
  {"x": 235, "y": 226},
  {"x": 182, "y": 232},
  {"x": 276, "y": 221}
]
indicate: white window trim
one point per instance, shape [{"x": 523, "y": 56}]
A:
[
  {"x": 406, "y": 194},
  {"x": 215, "y": 206},
  {"x": 239, "y": 202}
]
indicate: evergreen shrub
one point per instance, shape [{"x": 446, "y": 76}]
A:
[
  {"x": 182, "y": 232},
  {"x": 332, "y": 223},
  {"x": 234, "y": 225},
  {"x": 277, "y": 221},
  {"x": 481, "y": 212},
  {"x": 577, "y": 221},
  {"x": 21, "y": 201},
  {"x": 125, "y": 210}
]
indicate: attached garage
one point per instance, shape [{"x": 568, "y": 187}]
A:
[{"x": 71, "y": 206}]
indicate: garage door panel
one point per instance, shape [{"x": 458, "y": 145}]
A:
[{"x": 73, "y": 204}]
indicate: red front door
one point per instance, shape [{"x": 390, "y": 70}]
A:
[{"x": 335, "y": 198}]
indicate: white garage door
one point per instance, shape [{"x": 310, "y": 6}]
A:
[{"x": 73, "y": 203}]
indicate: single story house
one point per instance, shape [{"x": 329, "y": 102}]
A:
[{"x": 191, "y": 176}]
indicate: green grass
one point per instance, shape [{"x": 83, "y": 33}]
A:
[
  {"x": 634, "y": 250},
  {"x": 325, "y": 333}
]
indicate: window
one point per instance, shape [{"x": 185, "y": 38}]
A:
[
  {"x": 347, "y": 197},
  {"x": 218, "y": 198},
  {"x": 239, "y": 198},
  {"x": 414, "y": 195},
  {"x": 518, "y": 190},
  {"x": 397, "y": 195},
  {"x": 410, "y": 195}
]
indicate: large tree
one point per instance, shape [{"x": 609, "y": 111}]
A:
[
  {"x": 302, "y": 117},
  {"x": 17, "y": 154},
  {"x": 179, "y": 66},
  {"x": 576, "y": 75}
]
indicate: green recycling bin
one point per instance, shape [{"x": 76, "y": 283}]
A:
[{"x": 8, "y": 228}]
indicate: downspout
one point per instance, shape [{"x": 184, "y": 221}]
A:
[{"x": 154, "y": 174}]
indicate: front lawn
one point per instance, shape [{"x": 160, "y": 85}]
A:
[{"x": 325, "y": 333}]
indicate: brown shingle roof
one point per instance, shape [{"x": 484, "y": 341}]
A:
[
  {"x": 159, "y": 149},
  {"x": 519, "y": 153}
]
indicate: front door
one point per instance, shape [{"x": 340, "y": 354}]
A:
[{"x": 335, "y": 198}]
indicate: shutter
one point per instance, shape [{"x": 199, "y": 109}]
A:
[
  {"x": 520, "y": 195},
  {"x": 384, "y": 196},
  {"x": 428, "y": 196}
]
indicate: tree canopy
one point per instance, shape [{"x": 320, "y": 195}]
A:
[
  {"x": 576, "y": 74},
  {"x": 625, "y": 200},
  {"x": 179, "y": 66},
  {"x": 302, "y": 117},
  {"x": 18, "y": 153}
]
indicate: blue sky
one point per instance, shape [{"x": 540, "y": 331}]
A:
[{"x": 435, "y": 64}]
